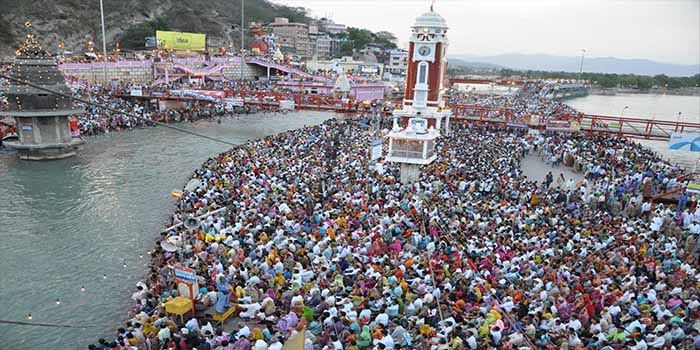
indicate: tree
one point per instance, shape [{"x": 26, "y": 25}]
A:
[
  {"x": 134, "y": 37},
  {"x": 359, "y": 38},
  {"x": 386, "y": 39}
]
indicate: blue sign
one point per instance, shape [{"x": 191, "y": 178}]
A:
[
  {"x": 684, "y": 142},
  {"x": 185, "y": 275}
]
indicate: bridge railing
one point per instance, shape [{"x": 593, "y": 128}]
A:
[{"x": 652, "y": 129}]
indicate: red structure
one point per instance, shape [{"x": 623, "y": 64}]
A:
[{"x": 591, "y": 124}]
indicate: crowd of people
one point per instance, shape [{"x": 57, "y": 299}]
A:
[
  {"x": 474, "y": 255},
  {"x": 533, "y": 98},
  {"x": 96, "y": 120}
]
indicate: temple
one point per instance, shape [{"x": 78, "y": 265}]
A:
[{"x": 42, "y": 118}]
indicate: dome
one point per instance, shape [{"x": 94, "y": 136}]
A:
[{"x": 430, "y": 19}]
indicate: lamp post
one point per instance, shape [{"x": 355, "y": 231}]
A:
[
  {"x": 580, "y": 69},
  {"x": 242, "y": 37},
  {"x": 623, "y": 110},
  {"x": 104, "y": 41}
]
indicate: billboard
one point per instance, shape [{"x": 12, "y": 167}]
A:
[
  {"x": 684, "y": 142},
  {"x": 181, "y": 41}
]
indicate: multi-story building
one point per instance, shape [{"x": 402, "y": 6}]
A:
[
  {"x": 348, "y": 66},
  {"x": 398, "y": 62},
  {"x": 292, "y": 37},
  {"x": 323, "y": 46},
  {"x": 327, "y": 25},
  {"x": 327, "y": 46}
]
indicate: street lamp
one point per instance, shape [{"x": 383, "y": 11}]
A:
[
  {"x": 580, "y": 70},
  {"x": 242, "y": 38},
  {"x": 104, "y": 40},
  {"x": 623, "y": 110}
]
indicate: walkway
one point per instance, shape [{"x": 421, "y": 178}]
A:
[{"x": 536, "y": 169}]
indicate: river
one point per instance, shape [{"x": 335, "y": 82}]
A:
[
  {"x": 647, "y": 106},
  {"x": 90, "y": 220}
]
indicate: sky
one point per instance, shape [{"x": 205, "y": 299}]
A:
[{"x": 660, "y": 30}]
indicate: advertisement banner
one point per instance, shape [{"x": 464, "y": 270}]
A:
[
  {"x": 681, "y": 141},
  {"x": 180, "y": 41},
  {"x": 563, "y": 125}
]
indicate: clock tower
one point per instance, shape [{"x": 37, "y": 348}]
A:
[
  {"x": 427, "y": 66},
  {"x": 413, "y": 140}
]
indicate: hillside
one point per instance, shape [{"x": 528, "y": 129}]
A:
[
  {"x": 591, "y": 64},
  {"x": 73, "y": 21}
]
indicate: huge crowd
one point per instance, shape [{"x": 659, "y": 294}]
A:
[
  {"x": 533, "y": 98},
  {"x": 474, "y": 255},
  {"x": 134, "y": 114}
]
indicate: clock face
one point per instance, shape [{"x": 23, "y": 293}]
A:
[{"x": 424, "y": 50}]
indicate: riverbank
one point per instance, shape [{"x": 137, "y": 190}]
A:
[
  {"x": 658, "y": 91},
  {"x": 363, "y": 259}
]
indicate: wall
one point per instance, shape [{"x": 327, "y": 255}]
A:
[
  {"x": 141, "y": 72},
  {"x": 125, "y": 71}
]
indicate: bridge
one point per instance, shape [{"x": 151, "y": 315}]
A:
[
  {"x": 555, "y": 89},
  {"x": 630, "y": 127},
  {"x": 280, "y": 67}
]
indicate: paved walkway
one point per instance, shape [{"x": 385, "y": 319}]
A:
[{"x": 536, "y": 169}]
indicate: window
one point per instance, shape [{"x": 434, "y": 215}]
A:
[{"x": 423, "y": 73}]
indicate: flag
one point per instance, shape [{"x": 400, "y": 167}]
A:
[{"x": 296, "y": 342}]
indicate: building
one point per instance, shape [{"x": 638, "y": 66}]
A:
[
  {"x": 398, "y": 62},
  {"x": 356, "y": 91},
  {"x": 326, "y": 25},
  {"x": 43, "y": 119},
  {"x": 412, "y": 140},
  {"x": 327, "y": 46},
  {"x": 348, "y": 66},
  {"x": 292, "y": 37}
]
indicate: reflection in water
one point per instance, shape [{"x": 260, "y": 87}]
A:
[{"x": 66, "y": 224}]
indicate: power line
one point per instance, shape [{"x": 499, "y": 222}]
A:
[
  {"x": 53, "y": 325},
  {"x": 28, "y": 83}
]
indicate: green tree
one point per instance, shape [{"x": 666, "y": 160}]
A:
[
  {"x": 134, "y": 37},
  {"x": 386, "y": 39}
]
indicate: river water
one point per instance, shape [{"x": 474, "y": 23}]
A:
[
  {"x": 89, "y": 222},
  {"x": 647, "y": 106}
]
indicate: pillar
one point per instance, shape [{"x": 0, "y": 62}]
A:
[{"x": 410, "y": 173}]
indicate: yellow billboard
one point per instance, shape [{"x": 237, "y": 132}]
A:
[{"x": 181, "y": 41}]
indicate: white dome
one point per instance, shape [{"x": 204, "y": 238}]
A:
[{"x": 430, "y": 19}]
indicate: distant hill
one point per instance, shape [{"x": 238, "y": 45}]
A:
[
  {"x": 591, "y": 64},
  {"x": 456, "y": 62},
  {"x": 71, "y": 21}
]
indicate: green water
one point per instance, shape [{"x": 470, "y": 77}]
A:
[{"x": 66, "y": 224}]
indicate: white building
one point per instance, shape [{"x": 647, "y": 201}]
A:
[{"x": 398, "y": 62}]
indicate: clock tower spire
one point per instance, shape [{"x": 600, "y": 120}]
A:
[{"x": 427, "y": 65}]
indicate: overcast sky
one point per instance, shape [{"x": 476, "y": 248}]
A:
[{"x": 662, "y": 30}]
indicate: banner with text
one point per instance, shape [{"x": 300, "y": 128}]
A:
[{"x": 181, "y": 41}]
